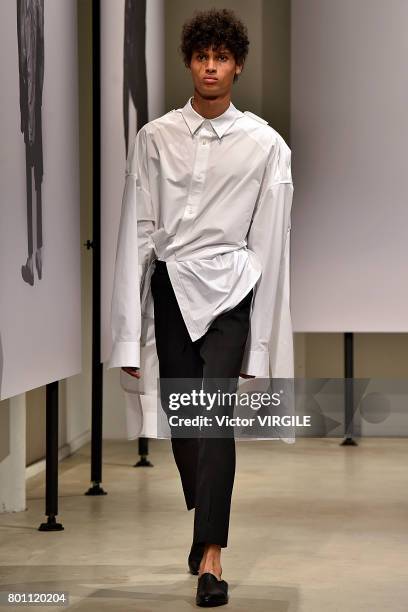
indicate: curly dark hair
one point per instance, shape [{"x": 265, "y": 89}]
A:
[{"x": 214, "y": 28}]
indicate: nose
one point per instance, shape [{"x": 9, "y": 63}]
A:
[{"x": 210, "y": 65}]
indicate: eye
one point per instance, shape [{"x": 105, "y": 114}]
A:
[{"x": 223, "y": 58}]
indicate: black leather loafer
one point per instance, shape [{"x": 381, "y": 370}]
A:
[
  {"x": 194, "y": 558},
  {"x": 211, "y": 591}
]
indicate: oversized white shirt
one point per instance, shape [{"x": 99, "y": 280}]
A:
[{"x": 212, "y": 198}]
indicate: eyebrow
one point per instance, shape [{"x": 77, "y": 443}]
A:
[{"x": 220, "y": 51}]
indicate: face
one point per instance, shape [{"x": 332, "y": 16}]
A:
[{"x": 213, "y": 71}]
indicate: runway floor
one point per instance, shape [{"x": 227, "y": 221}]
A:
[{"x": 315, "y": 527}]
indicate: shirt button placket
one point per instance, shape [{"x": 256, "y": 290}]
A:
[{"x": 199, "y": 173}]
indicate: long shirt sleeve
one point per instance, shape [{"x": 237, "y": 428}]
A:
[
  {"x": 270, "y": 338},
  {"x": 133, "y": 254}
]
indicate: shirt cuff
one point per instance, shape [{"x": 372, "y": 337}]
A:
[
  {"x": 125, "y": 354},
  {"x": 256, "y": 363}
]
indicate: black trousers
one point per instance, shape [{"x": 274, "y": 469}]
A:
[{"x": 206, "y": 464}]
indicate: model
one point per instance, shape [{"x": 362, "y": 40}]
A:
[{"x": 205, "y": 231}]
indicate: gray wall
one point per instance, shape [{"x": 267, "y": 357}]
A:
[{"x": 276, "y": 65}]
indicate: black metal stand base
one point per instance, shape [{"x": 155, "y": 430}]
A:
[
  {"x": 143, "y": 462},
  {"x": 96, "y": 489},
  {"x": 51, "y": 525},
  {"x": 349, "y": 442}
]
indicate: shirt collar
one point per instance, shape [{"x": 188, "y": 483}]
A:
[{"x": 220, "y": 123}]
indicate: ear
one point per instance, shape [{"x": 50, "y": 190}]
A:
[{"x": 238, "y": 68}]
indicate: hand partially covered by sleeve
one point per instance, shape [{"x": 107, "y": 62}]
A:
[
  {"x": 132, "y": 256},
  {"x": 269, "y": 347}
]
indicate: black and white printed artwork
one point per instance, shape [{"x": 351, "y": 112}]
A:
[
  {"x": 40, "y": 246},
  {"x": 30, "y": 36}
]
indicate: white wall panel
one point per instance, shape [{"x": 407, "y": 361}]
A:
[
  {"x": 349, "y": 135},
  {"x": 40, "y": 323}
]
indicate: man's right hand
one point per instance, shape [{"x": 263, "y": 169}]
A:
[{"x": 135, "y": 372}]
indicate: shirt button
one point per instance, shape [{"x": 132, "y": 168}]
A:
[{"x": 204, "y": 142}]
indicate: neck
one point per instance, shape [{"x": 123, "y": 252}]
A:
[{"x": 210, "y": 107}]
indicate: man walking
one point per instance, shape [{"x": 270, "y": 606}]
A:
[{"x": 206, "y": 222}]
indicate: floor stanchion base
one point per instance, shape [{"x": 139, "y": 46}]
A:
[
  {"x": 51, "y": 525},
  {"x": 143, "y": 462},
  {"x": 96, "y": 489},
  {"x": 349, "y": 442}
]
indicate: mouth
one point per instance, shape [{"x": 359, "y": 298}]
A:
[{"x": 210, "y": 80}]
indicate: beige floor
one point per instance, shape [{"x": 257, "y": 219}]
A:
[{"x": 314, "y": 527}]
